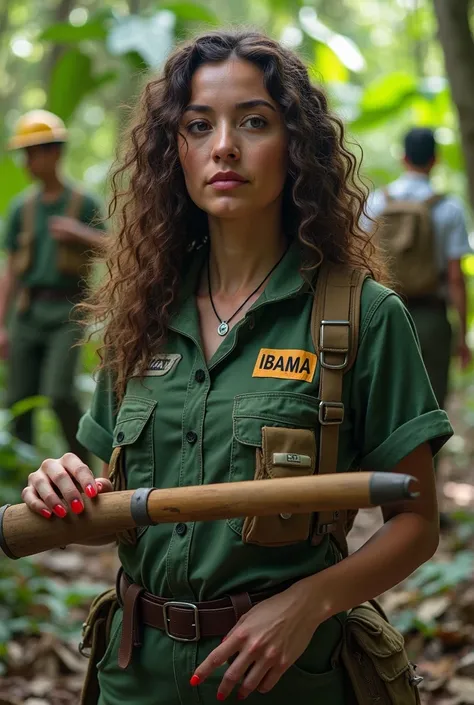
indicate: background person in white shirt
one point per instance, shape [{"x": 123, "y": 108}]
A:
[{"x": 451, "y": 242}]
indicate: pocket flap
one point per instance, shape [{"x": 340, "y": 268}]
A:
[
  {"x": 379, "y": 640},
  {"x": 131, "y": 419},
  {"x": 288, "y": 409},
  {"x": 288, "y": 451}
]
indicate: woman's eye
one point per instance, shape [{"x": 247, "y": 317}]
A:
[
  {"x": 198, "y": 126},
  {"x": 255, "y": 122}
]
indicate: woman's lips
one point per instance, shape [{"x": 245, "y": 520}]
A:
[{"x": 227, "y": 184}]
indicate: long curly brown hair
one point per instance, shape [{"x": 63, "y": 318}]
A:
[{"x": 158, "y": 226}]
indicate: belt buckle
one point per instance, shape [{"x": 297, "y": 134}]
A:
[{"x": 186, "y": 605}]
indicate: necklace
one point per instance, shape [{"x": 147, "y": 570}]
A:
[{"x": 223, "y": 327}]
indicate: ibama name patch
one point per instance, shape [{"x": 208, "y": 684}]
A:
[{"x": 286, "y": 364}]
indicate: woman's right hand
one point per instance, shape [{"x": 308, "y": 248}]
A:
[{"x": 66, "y": 475}]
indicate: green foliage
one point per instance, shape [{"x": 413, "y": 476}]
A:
[
  {"x": 379, "y": 62},
  {"x": 13, "y": 179},
  {"x": 73, "y": 70},
  {"x": 33, "y": 604},
  {"x": 65, "y": 33},
  {"x": 190, "y": 12},
  {"x": 436, "y": 577}
]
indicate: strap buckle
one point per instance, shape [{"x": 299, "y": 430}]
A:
[
  {"x": 323, "y": 529},
  {"x": 339, "y": 351},
  {"x": 323, "y": 417},
  {"x": 196, "y": 625}
]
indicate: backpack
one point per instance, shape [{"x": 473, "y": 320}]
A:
[
  {"x": 406, "y": 236},
  {"x": 24, "y": 255}
]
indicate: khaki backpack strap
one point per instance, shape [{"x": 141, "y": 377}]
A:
[
  {"x": 74, "y": 206},
  {"x": 433, "y": 200},
  {"x": 335, "y": 323},
  {"x": 28, "y": 218}
]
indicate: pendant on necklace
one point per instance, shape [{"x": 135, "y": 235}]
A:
[{"x": 223, "y": 328}]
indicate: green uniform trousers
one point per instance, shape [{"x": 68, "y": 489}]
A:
[
  {"x": 43, "y": 360},
  {"x": 435, "y": 334},
  {"x": 161, "y": 668}
]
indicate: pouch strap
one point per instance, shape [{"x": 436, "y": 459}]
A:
[
  {"x": 75, "y": 202},
  {"x": 241, "y": 604},
  {"x": 131, "y": 625},
  {"x": 28, "y": 218}
]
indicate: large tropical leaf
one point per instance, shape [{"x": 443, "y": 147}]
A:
[
  {"x": 384, "y": 98},
  {"x": 65, "y": 33},
  {"x": 71, "y": 81}
]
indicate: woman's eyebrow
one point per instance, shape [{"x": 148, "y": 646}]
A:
[{"x": 240, "y": 106}]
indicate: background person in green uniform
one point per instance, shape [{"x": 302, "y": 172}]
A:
[
  {"x": 48, "y": 239},
  {"x": 251, "y": 185}
]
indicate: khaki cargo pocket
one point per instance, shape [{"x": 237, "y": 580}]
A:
[
  {"x": 286, "y": 452},
  {"x": 274, "y": 437}
]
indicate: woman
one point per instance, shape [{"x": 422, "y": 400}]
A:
[{"x": 240, "y": 185}]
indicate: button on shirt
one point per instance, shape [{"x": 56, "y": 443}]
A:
[
  {"x": 449, "y": 222},
  {"x": 265, "y": 375}
]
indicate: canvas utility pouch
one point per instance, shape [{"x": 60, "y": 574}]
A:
[
  {"x": 95, "y": 637},
  {"x": 373, "y": 654},
  {"x": 285, "y": 452}
]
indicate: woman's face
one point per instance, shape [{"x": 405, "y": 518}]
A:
[{"x": 232, "y": 141}]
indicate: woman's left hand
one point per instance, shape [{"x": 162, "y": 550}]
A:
[{"x": 266, "y": 641}]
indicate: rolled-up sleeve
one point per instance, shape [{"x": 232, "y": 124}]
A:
[{"x": 393, "y": 404}]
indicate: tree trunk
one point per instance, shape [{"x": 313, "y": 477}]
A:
[{"x": 458, "y": 46}]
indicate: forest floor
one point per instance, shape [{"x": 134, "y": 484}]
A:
[{"x": 435, "y": 608}]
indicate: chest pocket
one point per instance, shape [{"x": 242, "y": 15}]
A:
[
  {"x": 274, "y": 436},
  {"x": 133, "y": 435}
]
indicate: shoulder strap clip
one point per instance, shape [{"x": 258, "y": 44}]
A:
[{"x": 334, "y": 341}]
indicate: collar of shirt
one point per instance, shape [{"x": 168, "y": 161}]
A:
[
  {"x": 414, "y": 176},
  {"x": 285, "y": 282}
]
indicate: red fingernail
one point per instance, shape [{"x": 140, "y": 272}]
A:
[
  {"x": 240, "y": 696},
  {"x": 77, "y": 506},
  {"x": 100, "y": 486},
  {"x": 59, "y": 511},
  {"x": 91, "y": 491},
  {"x": 46, "y": 513},
  {"x": 195, "y": 680},
  {"x": 220, "y": 696}
]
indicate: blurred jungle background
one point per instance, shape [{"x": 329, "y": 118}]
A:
[{"x": 387, "y": 65}]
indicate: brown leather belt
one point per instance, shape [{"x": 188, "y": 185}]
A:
[{"x": 182, "y": 621}]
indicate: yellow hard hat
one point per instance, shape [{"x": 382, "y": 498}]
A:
[{"x": 37, "y": 127}]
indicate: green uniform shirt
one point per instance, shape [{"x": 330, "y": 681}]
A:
[
  {"x": 191, "y": 423},
  {"x": 42, "y": 273}
]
